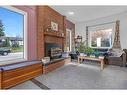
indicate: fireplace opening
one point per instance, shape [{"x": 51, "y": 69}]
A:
[{"x": 53, "y": 50}]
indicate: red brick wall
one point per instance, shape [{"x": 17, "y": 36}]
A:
[
  {"x": 52, "y": 15},
  {"x": 71, "y": 26},
  {"x": 45, "y": 16}
]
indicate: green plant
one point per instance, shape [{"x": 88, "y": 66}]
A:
[
  {"x": 6, "y": 43},
  {"x": 89, "y": 50},
  {"x": 1, "y": 29},
  {"x": 81, "y": 47},
  {"x": 97, "y": 53}
]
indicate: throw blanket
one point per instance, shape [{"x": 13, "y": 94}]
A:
[{"x": 117, "y": 52}]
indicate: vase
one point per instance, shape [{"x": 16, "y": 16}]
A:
[{"x": 97, "y": 54}]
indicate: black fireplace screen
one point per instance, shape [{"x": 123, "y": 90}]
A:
[{"x": 53, "y": 50}]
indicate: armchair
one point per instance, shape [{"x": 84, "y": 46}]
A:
[
  {"x": 74, "y": 54},
  {"x": 125, "y": 50},
  {"x": 119, "y": 61}
]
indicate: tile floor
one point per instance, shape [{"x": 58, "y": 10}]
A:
[{"x": 81, "y": 76}]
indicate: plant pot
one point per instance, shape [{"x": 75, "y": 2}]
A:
[
  {"x": 97, "y": 54},
  {"x": 88, "y": 54},
  {"x": 81, "y": 54}
]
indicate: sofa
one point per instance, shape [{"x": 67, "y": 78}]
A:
[
  {"x": 125, "y": 50},
  {"x": 117, "y": 60},
  {"x": 114, "y": 60}
]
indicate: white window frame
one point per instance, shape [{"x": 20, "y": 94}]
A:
[
  {"x": 101, "y": 47},
  {"x": 70, "y": 44},
  {"x": 25, "y": 36}
]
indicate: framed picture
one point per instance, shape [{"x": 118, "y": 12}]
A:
[{"x": 54, "y": 26}]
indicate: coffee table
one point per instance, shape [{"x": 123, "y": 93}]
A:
[{"x": 100, "y": 59}]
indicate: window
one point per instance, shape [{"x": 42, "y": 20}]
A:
[
  {"x": 13, "y": 35},
  {"x": 101, "y": 38},
  {"x": 69, "y": 39}
]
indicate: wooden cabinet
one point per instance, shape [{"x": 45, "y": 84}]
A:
[
  {"x": 53, "y": 66},
  {"x": 10, "y": 78}
]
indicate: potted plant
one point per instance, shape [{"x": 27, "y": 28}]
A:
[
  {"x": 81, "y": 48},
  {"x": 97, "y": 53},
  {"x": 89, "y": 51}
]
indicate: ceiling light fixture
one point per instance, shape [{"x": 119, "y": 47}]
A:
[{"x": 71, "y": 13}]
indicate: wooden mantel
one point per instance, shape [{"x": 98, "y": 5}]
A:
[
  {"x": 53, "y": 39},
  {"x": 54, "y": 34}
]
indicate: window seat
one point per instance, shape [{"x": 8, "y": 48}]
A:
[
  {"x": 54, "y": 64},
  {"x": 17, "y": 73},
  {"x": 19, "y": 65}
]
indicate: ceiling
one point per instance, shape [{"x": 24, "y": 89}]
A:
[{"x": 86, "y": 13}]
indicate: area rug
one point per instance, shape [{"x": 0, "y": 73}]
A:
[{"x": 85, "y": 76}]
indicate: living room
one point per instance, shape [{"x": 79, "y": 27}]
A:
[{"x": 63, "y": 47}]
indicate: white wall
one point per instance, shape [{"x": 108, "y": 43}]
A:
[
  {"x": 80, "y": 29},
  {"x": 81, "y": 26}
]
